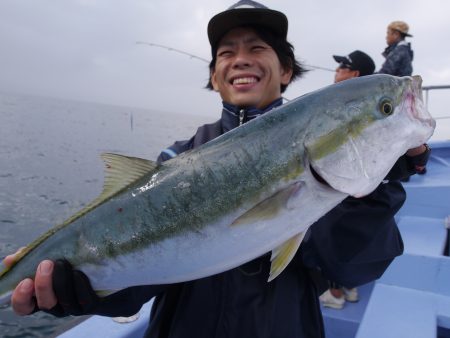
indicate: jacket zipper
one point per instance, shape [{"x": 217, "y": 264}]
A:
[{"x": 241, "y": 116}]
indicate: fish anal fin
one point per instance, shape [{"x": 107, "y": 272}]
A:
[
  {"x": 282, "y": 255},
  {"x": 105, "y": 293},
  {"x": 270, "y": 207}
]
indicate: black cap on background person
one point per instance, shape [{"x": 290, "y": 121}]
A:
[{"x": 357, "y": 60}]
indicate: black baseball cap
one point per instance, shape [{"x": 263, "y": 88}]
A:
[
  {"x": 246, "y": 13},
  {"x": 357, "y": 60}
]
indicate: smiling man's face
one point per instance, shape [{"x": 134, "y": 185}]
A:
[{"x": 248, "y": 72}]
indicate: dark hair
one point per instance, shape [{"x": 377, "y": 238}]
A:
[{"x": 283, "y": 49}]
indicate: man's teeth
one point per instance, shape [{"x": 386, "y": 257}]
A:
[{"x": 244, "y": 80}]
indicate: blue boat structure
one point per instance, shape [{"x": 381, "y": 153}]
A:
[{"x": 411, "y": 299}]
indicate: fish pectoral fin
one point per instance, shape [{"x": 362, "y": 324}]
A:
[
  {"x": 282, "y": 255},
  {"x": 270, "y": 207}
]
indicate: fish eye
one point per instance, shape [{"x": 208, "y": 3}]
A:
[{"x": 386, "y": 107}]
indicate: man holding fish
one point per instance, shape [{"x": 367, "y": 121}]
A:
[{"x": 252, "y": 188}]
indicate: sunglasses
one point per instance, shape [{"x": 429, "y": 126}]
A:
[{"x": 345, "y": 66}]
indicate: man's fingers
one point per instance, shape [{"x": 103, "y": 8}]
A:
[
  {"x": 9, "y": 260},
  {"x": 43, "y": 286},
  {"x": 22, "y": 298},
  {"x": 52, "y": 280}
]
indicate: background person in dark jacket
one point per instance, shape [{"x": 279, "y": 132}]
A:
[
  {"x": 399, "y": 57},
  {"x": 252, "y": 64},
  {"x": 355, "y": 64},
  {"x": 398, "y": 53}
]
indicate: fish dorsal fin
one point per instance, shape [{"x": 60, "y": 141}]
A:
[
  {"x": 282, "y": 255},
  {"x": 122, "y": 170}
]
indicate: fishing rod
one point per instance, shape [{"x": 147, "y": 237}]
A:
[
  {"x": 193, "y": 56},
  {"x": 151, "y": 44}
]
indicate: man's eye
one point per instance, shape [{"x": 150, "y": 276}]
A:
[
  {"x": 224, "y": 53},
  {"x": 258, "y": 48}
]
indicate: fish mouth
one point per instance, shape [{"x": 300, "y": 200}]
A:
[{"x": 414, "y": 103}]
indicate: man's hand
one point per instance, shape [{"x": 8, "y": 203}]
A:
[
  {"x": 30, "y": 295},
  {"x": 416, "y": 151},
  {"x": 39, "y": 292},
  {"x": 419, "y": 157},
  {"x": 57, "y": 289}
]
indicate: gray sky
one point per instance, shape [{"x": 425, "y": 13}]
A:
[{"x": 86, "y": 49}]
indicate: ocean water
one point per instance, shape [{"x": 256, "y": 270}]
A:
[{"x": 50, "y": 167}]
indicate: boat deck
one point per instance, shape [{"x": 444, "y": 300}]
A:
[{"x": 412, "y": 299}]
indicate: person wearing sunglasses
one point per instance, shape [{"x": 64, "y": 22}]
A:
[{"x": 355, "y": 64}]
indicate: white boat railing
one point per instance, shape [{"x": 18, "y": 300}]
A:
[{"x": 426, "y": 89}]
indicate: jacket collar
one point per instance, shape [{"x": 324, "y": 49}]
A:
[
  {"x": 390, "y": 48},
  {"x": 233, "y": 116}
]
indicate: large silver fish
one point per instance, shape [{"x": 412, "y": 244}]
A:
[{"x": 245, "y": 193}]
